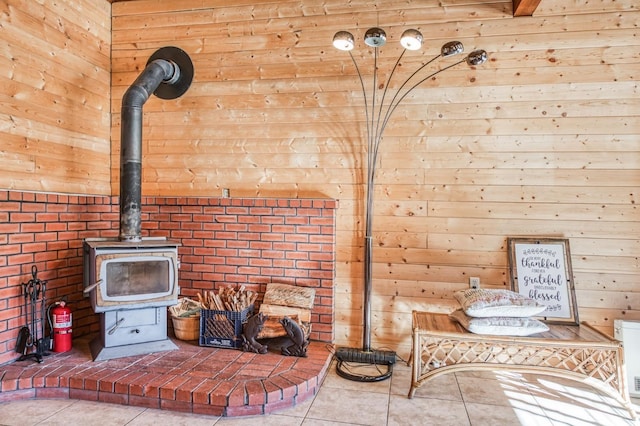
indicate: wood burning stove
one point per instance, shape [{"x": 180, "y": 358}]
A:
[
  {"x": 131, "y": 285},
  {"x": 132, "y": 280}
]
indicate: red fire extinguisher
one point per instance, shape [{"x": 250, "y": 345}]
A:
[{"x": 61, "y": 317}]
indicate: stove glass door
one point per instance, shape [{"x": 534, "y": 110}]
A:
[{"x": 138, "y": 277}]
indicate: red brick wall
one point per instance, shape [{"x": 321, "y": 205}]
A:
[{"x": 225, "y": 241}]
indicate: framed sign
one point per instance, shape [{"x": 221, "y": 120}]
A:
[{"x": 540, "y": 268}]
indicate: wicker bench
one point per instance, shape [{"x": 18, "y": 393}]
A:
[{"x": 441, "y": 345}]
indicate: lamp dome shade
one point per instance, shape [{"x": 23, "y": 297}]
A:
[
  {"x": 375, "y": 37},
  {"x": 411, "y": 39},
  {"x": 451, "y": 48},
  {"x": 343, "y": 40},
  {"x": 477, "y": 57}
]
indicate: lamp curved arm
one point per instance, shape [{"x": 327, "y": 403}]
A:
[
  {"x": 370, "y": 167},
  {"x": 364, "y": 93},
  {"x": 387, "y": 114},
  {"x": 378, "y": 132},
  {"x": 392, "y": 107},
  {"x": 371, "y": 134}
]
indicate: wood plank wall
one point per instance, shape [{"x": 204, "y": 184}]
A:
[
  {"x": 542, "y": 140},
  {"x": 54, "y": 96}
]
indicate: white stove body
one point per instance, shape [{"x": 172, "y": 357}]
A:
[{"x": 130, "y": 286}]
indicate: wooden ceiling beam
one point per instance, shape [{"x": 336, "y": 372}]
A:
[{"x": 524, "y": 7}]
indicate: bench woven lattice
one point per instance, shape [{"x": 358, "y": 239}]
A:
[
  {"x": 441, "y": 346},
  {"x": 599, "y": 363}
]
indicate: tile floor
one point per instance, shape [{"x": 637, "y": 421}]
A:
[{"x": 478, "y": 399}]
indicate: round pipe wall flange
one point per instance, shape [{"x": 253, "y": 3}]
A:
[{"x": 178, "y": 84}]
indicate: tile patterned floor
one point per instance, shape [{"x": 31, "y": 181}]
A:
[{"x": 476, "y": 399}]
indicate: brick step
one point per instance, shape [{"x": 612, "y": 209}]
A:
[{"x": 202, "y": 380}]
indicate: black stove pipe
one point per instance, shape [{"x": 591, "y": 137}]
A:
[
  {"x": 131, "y": 146},
  {"x": 168, "y": 74}
]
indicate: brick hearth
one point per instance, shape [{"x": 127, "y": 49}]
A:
[{"x": 203, "y": 380}]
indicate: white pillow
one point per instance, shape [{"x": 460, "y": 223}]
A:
[
  {"x": 499, "y": 326},
  {"x": 483, "y": 302}
]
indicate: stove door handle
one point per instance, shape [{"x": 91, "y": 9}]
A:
[
  {"x": 115, "y": 327},
  {"x": 90, "y": 288}
]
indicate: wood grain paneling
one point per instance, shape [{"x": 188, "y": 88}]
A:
[
  {"x": 541, "y": 140},
  {"x": 54, "y": 96}
]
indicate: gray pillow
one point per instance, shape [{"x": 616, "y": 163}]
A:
[
  {"x": 484, "y": 303},
  {"x": 500, "y": 326}
]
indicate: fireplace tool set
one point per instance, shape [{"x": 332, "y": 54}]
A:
[{"x": 31, "y": 341}]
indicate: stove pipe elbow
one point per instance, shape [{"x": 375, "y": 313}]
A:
[{"x": 175, "y": 72}]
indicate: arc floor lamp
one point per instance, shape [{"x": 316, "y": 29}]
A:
[{"x": 378, "y": 112}]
